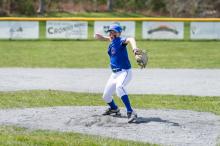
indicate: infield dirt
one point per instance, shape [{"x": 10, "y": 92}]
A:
[
  {"x": 166, "y": 127},
  {"x": 198, "y": 82}
]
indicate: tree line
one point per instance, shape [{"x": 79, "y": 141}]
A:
[{"x": 170, "y": 8}]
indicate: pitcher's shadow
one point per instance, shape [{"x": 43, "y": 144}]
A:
[{"x": 141, "y": 120}]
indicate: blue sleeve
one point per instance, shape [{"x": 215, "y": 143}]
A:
[{"x": 123, "y": 40}]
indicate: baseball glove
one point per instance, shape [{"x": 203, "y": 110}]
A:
[{"x": 141, "y": 57}]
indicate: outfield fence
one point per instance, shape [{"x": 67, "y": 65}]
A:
[{"x": 84, "y": 28}]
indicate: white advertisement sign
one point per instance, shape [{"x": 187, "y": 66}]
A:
[
  {"x": 128, "y": 27},
  {"x": 162, "y": 30},
  {"x": 205, "y": 30},
  {"x": 19, "y": 30},
  {"x": 67, "y": 29},
  {"x": 4, "y": 29}
]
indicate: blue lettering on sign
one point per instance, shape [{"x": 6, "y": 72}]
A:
[{"x": 52, "y": 30}]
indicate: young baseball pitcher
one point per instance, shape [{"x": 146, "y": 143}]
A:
[{"x": 121, "y": 70}]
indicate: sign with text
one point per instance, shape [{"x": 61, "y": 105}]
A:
[
  {"x": 67, "y": 29},
  {"x": 162, "y": 30},
  {"x": 205, "y": 30},
  {"x": 19, "y": 30},
  {"x": 128, "y": 27}
]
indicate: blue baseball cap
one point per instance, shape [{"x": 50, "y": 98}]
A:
[{"x": 115, "y": 27}]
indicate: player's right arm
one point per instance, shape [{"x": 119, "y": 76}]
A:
[
  {"x": 101, "y": 37},
  {"x": 132, "y": 42}
]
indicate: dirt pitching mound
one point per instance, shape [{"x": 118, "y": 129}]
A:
[{"x": 166, "y": 127}]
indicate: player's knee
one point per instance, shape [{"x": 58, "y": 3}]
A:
[
  {"x": 120, "y": 91},
  {"x": 107, "y": 98}
]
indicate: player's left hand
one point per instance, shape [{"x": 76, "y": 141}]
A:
[
  {"x": 141, "y": 57},
  {"x": 98, "y": 36}
]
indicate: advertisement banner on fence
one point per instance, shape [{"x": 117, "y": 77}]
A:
[
  {"x": 205, "y": 30},
  {"x": 19, "y": 30},
  {"x": 162, "y": 30},
  {"x": 128, "y": 27},
  {"x": 4, "y": 30},
  {"x": 67, "y": 29}
]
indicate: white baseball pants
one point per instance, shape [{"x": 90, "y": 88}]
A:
[{"x": 117, "y": 82}]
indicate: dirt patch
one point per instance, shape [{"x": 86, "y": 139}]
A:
[
  {"x": 166, "y": 127},
  {"x": 199, "y": 82}
]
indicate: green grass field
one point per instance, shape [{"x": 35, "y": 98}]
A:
[
  {"x": 22, "y": 99},
  {"x": 15, "y": 136},
  {"x": 93, "y": 54}
]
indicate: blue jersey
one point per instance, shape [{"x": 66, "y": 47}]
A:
[{"x": 118, "y": 54}]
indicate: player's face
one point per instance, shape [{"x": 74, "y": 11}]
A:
[{"x": 113, "y": 34}]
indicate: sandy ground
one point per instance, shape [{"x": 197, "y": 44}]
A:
[
  {"x": 166, "y": 127},
  {"x": 200, "y": 82}
]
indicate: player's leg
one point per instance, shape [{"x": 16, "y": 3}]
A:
[
  {"x": 122, "y": 80},
  {"x": 107, "y": 96}
]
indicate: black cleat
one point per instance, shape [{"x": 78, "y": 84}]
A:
[
  {"x": 110, "y": 111},
  {"x": 132, "y": 116}
]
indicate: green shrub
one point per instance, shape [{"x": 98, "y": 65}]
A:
[{"x": 24, "y": 7}]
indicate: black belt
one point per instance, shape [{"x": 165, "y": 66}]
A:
[{"x": 116, "y": 70}]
